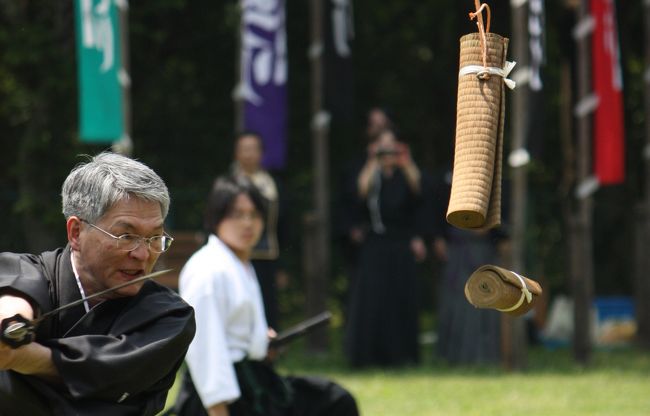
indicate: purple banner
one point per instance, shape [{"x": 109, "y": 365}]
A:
[{"x": 264, "y": 76}]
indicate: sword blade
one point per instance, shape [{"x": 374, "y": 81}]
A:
[{"x": 100, "y": 293}]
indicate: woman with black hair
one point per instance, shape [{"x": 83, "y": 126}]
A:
[{"x": 229, "y": 371}]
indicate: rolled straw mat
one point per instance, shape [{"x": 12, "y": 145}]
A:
[
  {"x": 494, "y": 287},
  {"x": 475, "y": 201}
]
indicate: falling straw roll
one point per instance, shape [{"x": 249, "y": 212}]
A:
[
  {"x": 475, "y": 201},
  {"x": 494, "y": 287}
]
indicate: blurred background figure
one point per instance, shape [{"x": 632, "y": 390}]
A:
[
  {"x": 378, "y": 121},
  {"x": 248, "y": 153},
  {"x": 466, "y": 335},
  {"x": 350, "y": 219},
  {"x": 229, "y": 363},
  {"x": 382, "y": 327}
]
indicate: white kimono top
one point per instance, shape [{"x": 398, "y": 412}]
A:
[{"x": 230, "y": 321}]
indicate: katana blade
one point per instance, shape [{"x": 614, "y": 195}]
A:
[
  {"x": 18, "y": 330},
  {"x": 100, "y": 293}
]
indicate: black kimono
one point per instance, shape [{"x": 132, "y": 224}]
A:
[
  {"x": 382, "y": 327},
  {"x": 120, "y": 358}
]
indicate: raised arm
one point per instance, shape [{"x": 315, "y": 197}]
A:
[
  {"x": 410, "y": 169},
  {"x": 34, "y": 358},
  {"x": 364, "y": 180}
]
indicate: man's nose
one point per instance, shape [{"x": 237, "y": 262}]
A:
[{"x": 141, "y": 252}]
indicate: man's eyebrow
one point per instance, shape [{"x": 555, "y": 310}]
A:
[{"x": 130, "y": 228}]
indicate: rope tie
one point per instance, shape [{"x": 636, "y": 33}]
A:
[
  {"x": 478, "y": 15},
  {"x": 483, "y": 72},
  {"x": 525, "y": 295}
]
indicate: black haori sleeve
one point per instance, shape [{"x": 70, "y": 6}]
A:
[{"x": 21, "y": 277}]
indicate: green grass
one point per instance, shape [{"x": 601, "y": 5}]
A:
[{"x": 616, "y": 382}]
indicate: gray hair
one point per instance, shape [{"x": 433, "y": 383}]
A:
[{"x": 93, "y": 187}]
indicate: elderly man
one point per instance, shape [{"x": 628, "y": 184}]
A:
[{"x": 115, "y": 354}]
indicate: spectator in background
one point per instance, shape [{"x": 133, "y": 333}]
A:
[
  {"x": 229, "y": 371},
  {"x": 350, "y": 222},
  {"x": 382, "y": 327},
  {"x": 248, "y": 153},
  {"x": 466, "y": 335}
]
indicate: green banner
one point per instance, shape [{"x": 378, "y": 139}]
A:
[{"x": 101, "y": 117}]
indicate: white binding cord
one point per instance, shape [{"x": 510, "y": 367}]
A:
[
  {"x": 491, "y": 70},
  {"x": 525, "y": 294}
]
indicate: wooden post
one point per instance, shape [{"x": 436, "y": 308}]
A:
[
  {"x": 125, "y": 144},
  {"x": 581, "y": 224},
  {"x": 642, "y": 309},
  {"x": 320, "y": 157},
  {"x": 237, "y": 94},
  {"x": 315, "y": 285},
  {"x": 643, "y": 229},
  {"x": 513, "y": 329}
]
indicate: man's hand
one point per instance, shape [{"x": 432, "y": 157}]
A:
[
  {"x": 440, "y": 249},
  {"x": 272, "y": 353},
  {"x": 11, "y": 305},
  {"x": 7, "y": 356},
  {"x": 32, "y": 358},
  {"x": 220, "y": 409},
  {"x": 419, "y": 249}
]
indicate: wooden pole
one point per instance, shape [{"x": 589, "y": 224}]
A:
[
  {"x": 125, "y": 144},
  {"x": 320, "y": 157},
  {"x": 237, "y": 95},
  {"x": 513, "y": 329},
  {"x": 643, "y": 231},
  {"x": 582, "y": 253}
]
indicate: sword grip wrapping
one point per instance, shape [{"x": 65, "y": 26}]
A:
[{"x": 16, "y": 331}]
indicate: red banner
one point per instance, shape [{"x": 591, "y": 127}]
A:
[{"x": 609, "y": 131}]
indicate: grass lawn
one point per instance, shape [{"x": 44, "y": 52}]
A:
[{"x": 617, "y": 382}]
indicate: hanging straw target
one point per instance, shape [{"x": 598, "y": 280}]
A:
[{"x": 475, "y": 200}]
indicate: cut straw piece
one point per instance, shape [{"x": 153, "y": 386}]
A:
[{"x": 493, "y": 287}]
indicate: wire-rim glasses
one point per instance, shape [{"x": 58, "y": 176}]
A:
[{"x": 130, "y": 242}]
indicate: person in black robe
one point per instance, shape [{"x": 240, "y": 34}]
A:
[
  {"x": 116, "y": 354},
  {"x": 382, "y": 327},
  {"x": 466, "y": 335},
  {"x": 349, "y": 225}
]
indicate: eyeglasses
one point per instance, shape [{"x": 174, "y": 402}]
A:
[{"x": 129, "y": 242}]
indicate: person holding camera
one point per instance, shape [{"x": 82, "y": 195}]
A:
[{"x": 383, "y": 316}]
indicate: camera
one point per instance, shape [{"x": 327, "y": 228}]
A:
[{"x": 386, "y": 152}]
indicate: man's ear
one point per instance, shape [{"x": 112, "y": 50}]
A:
[{"x": 73, "y": 226}]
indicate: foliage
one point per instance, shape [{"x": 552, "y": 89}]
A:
[{"x": 183, "y": 65}]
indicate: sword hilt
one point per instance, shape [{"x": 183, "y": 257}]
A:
[{"x": 16, "y": 331}]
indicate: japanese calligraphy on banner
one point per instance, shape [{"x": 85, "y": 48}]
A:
[
  {"x": 264, "y": 76},
  {"x": 609, "y": 131},
  {"x": 99, "y": 64}
]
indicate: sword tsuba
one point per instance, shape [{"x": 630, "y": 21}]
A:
[{"x": 16, "y": 331}]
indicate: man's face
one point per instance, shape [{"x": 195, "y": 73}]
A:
[
  {"x": 100, "y": 263},
  {"x": 249, "y": 153},
  {"x": 377, "y": 121}
]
